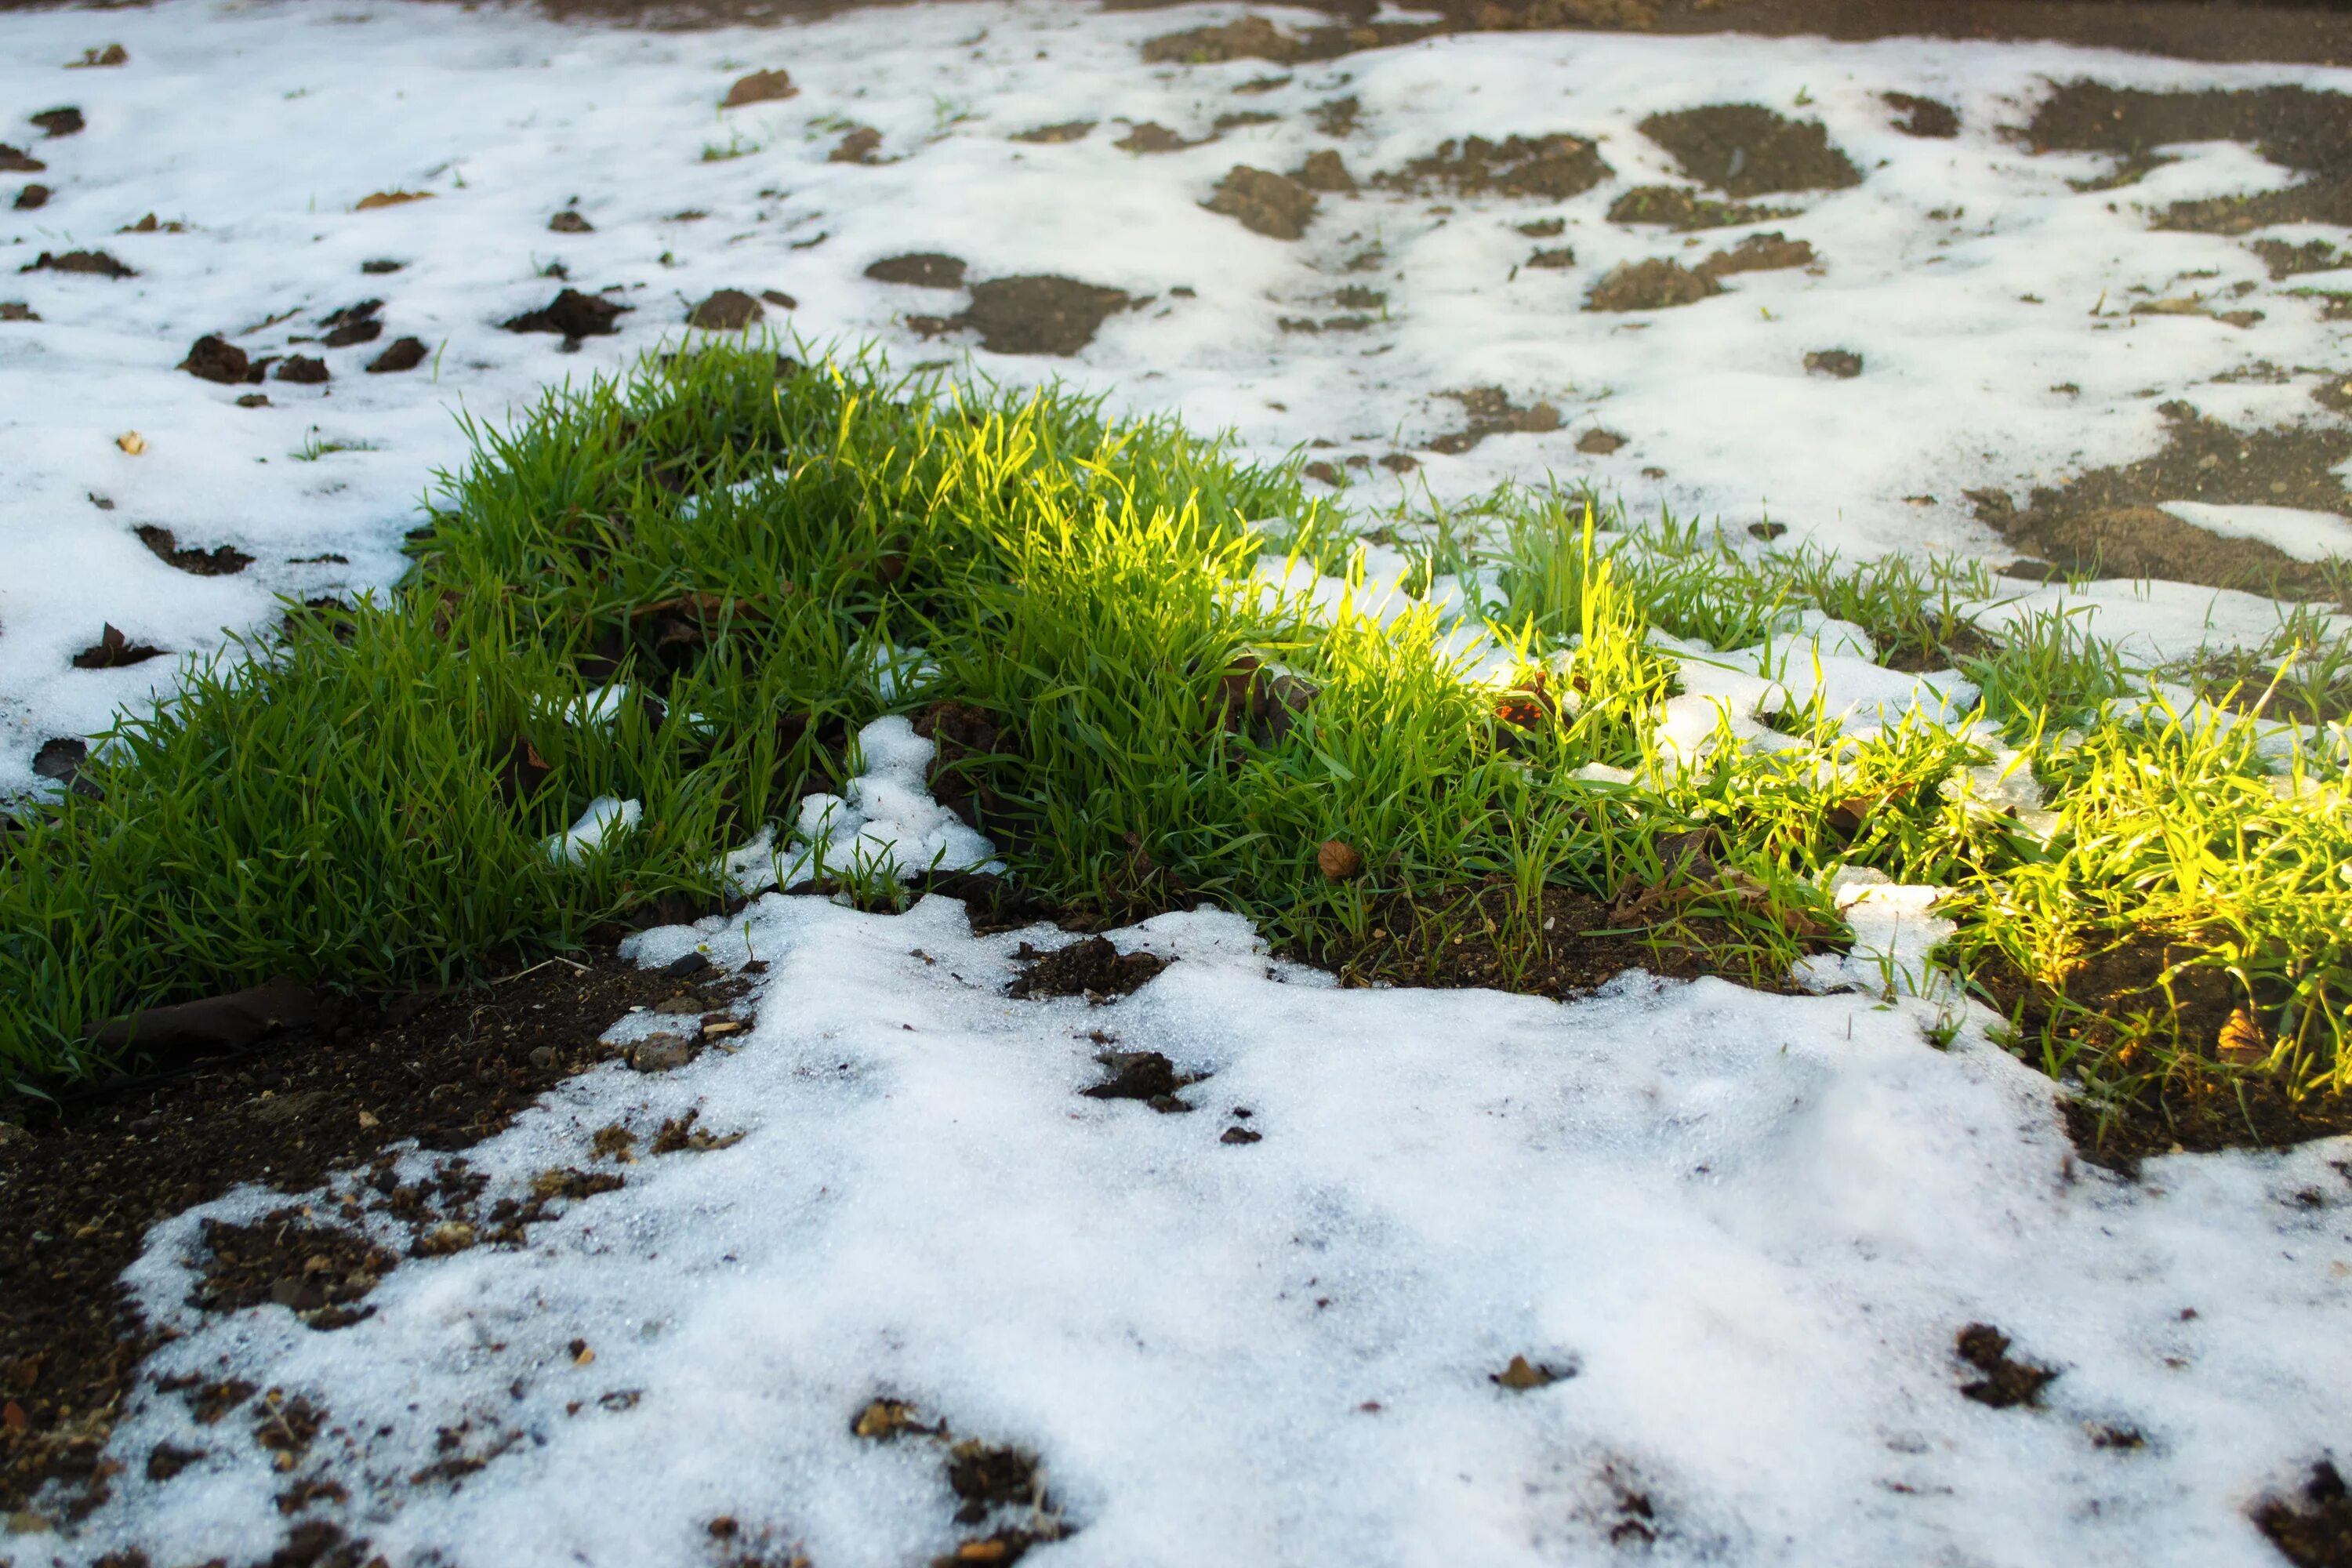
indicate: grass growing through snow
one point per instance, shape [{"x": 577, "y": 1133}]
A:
[{"x": 364, "y": 800}]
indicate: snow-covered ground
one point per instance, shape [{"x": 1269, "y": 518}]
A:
[
  {"x": 1974, "y": 282},
  {"x": 1740, "y": 1233}
]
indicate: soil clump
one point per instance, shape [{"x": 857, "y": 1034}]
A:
[
  {"x": 2107, "y": 522},
  {"x": 2294, "y": 127},
  {"x": 1275, "y": 206},
  {"x": 1552, "y": 167},
  {"x": 1746, "y": 150}
]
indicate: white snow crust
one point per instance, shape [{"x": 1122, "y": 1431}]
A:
[{"x": 1750, "y": 1227}]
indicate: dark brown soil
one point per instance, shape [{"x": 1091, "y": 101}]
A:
[
  {"x": 16, "y": 311},
  {"x": 572, "y": 316},
  {"x": 1492, "y": 413},
  {"x": 1840, "y": 362},
  {"x": 857, "y": 146},
  {"x": 1683, "y": 210},
  {"x": 1462, "y": 939},
  {"x": 13, "y": 161},
  {"x": 2285, "y": 261},
  {"x": 1255, "y": 37},
  {"x": 220, "y": 560},
  {"x": 1067, "y": 131},
  {"x": 1553, "y": 167},
  {"x": 59, "y": 121},
  {"x": 1149, "y": 137},
  {"x": 1599, "y": 443},
  {"x": 1923, "y": 116},
  {"x": 112, "y": 650},
  {"x": 1656, "y": 284},
  {"x": 1557, "y": 260},
  {"x": 32, "y": 198},
  {"x": 759, "y": 87},
  {"x": 1747, "y": 150},
  {"x": 332, "y": 1096},
  {"x": 2107, "y": 522},
  {"x": 1092, "y": 968},
  {"x": 923, "y": 269},
  {"x": 97, "y": 263},
  {"x": 1327, "y": 173},
  {"x": 570, "y": 222},
  {"x": 1265, "y": 202},
  {"x": 2196, "y": 1105},
  {"x": 1757, "y": 253},
  {"x": 2313, "y": 1527},
  {"x": 2307, "y": 131},
  {"x": 2004, "y": 1382},
  {"x": 302, "y": 370},
  {"x": 1055, "y": 316},
  {"x": 319, "y": 1272},
  {"x": 726, "y": 310},
  {"x": 219, "y": 360},
  {"x": 403, "y": 353}
]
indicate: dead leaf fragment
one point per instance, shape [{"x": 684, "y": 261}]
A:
[
  {"x": 2243, "y": 1042},
  {"x": 1523, "y": 1374},
  {"x": 131, "y": 442},
  {"x": 111, "y": 54},
  {"x": 1338, "y": 861},
  {"x": 390, "y": 199},
  {"x": 883, "y": 1419}
]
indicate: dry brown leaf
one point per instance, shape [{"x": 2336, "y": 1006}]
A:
[
  {"x": 2243, "y": 1042},
  {"x": 133, "y": 442},
  {"x": 1338, "y": 861},
  {"x": 390, "y": 199}
]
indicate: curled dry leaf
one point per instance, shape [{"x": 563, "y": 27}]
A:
[
  {"x": 133, "y": 442},
  {"x": 390, "y": 199},
  {"x": 1338, "y": 861}
]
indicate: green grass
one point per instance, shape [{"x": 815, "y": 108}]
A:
[{"x": 338, "y": 805}]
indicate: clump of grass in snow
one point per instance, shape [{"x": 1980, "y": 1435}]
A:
[{"x": 341, "y": 805}]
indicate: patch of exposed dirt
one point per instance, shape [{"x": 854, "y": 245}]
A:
[
  {"x": 112, "y": 650},
  {"x": 1092, "y": 968},
  {"x": 922, "y": 269},
  {"x": 1599, "y": 443},
  {"x": 1683, "y": 209},
  {"x": 1553, "y": 167},
  {"x": 2107, "y": 522},
  {"x": 96, "y": 263},
  {"x": 402, "y": 354},
  {"x": 726, "y": 310},
  {"x": 1757, "y": 253},
  {"x": 89, "y": 1172},
  {"x": 1925, "y": 117},
  {"x": 1746, "y": 150},
  {"x": 572, "y": 316},
  {"x": 1326, "y": 172},
  {"x": 1336, "y": 117},
  {"x": 220, "y": 560},
  {"x": 1275, "y": 206},
  {"x": 1032, "y": 315},
  {"x": 1656, "y": 284},
  {"x": 2334, "y": 395},
  {"x": 2285, "y": 261},
  {"x": 759, "y": 87},
  {"x": 1491, "y": 412},
  {"x": 216, "y": 359},
  {"x": 1152, "y": 137},
  {"x": 1841, "y": 364},
  {"x": 1472, "y": 937},
  {"x": 321, "y": 1273},
  {"x": 2313, "y": 1527},
  {"x": 2193, "y": 1105},
  {"x": 1052, "y": 136},
  {"x": 858, "y": 144},
  {"x": 1556, "y": 261},
  {"x": 2294, "y": 127},
  {"x": 1257, "y": 39},
  {"x": 2002, "y": 1380}
]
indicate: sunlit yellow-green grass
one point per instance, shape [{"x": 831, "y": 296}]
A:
[{"x": 736, "y": 543}]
